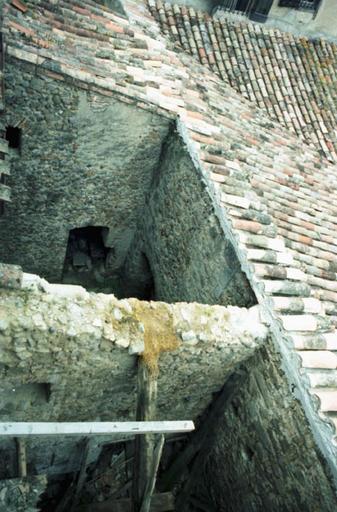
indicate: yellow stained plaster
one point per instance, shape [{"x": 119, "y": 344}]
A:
[{"x": 159, "y": 333}]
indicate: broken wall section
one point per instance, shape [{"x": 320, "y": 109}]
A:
[
  {"x": 84, "y": 160},
  {"x": 181, "y": 239},
  {"x": 53, "y": 341}
]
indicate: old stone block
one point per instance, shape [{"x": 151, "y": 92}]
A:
[{"x": 10, "y": 276}]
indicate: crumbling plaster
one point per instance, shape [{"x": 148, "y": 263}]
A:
[
  {"x": 67, "y": 337},
  {"x": 85, "y": 160}
]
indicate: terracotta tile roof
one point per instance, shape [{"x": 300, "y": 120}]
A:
[
  {"x": 293, "y": 78},
  {"x": 275, "y": 196}
]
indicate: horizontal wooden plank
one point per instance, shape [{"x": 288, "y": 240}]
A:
[{"x": 18, "y": 429}]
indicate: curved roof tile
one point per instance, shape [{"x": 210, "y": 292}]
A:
[{"x": 292, "y": 78}]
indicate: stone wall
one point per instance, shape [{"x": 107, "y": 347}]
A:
[
  {"x": 181, "y": 237},
  {"x": 84, "y": 160},
  {"x": 264, "y": 457},
  {"x": 88, "y": 160},
  {"x": 54, "y": 342},
  {"x": 113, "y": 5},
  {"x": 21, "y": 494},
  {"x": 67, "y": 355}
]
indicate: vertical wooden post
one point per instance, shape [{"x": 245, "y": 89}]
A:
[
  {"x": 86, "y": 443},
  {"x": 21, "y": 457},
  {"x": 146, "y": 502},
  {"x": 145, "y": 444}
]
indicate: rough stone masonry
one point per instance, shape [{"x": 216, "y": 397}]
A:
[
  {"x": 62, "y": 336},
  {"x": 55, "y": 339}
]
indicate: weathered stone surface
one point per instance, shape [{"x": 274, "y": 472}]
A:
[
  {"x": 21, "y": 494},
  {"x": 278, "y": 183},
  {"x": 10, "y": 276},
  {"x": 85, "y": 160},
  {"x": 54, "y": 342},
  {"x": 63, "y": 339},
  {"x": 264, "y": 456},
  {"x": 180, "y": 235}
]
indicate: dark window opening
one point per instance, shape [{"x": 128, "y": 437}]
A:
[
  {"x": 86, "y": 248},
  {"x": 304, "y": 5},
  {"x": 256, "y": 10},
  {"x": 90, "y": 262},
  {"x": 2, "y": 208},
  {"x": 13, "y": 136},
  {"x": 86, "y": 257},
  {"x": 3, "y": 179}
]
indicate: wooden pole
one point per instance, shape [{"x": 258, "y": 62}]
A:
[
  {"x": 149, "y": 489},
  {"x": 82, "y": 474},
  {"x": 144, "y": 445},
  {"x": 22, "y": 457},
  {"x": 204, "y": 435}
]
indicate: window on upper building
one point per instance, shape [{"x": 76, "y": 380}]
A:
[
  {"x": 256, "y": 10},
  {"x": 305, "y": 5}
]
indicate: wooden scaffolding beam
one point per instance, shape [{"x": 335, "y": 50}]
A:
[
  {"x": 148, "y": 448},
  {"x": 21, "y": 457},
  {"x": 23, "y": 429}
]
